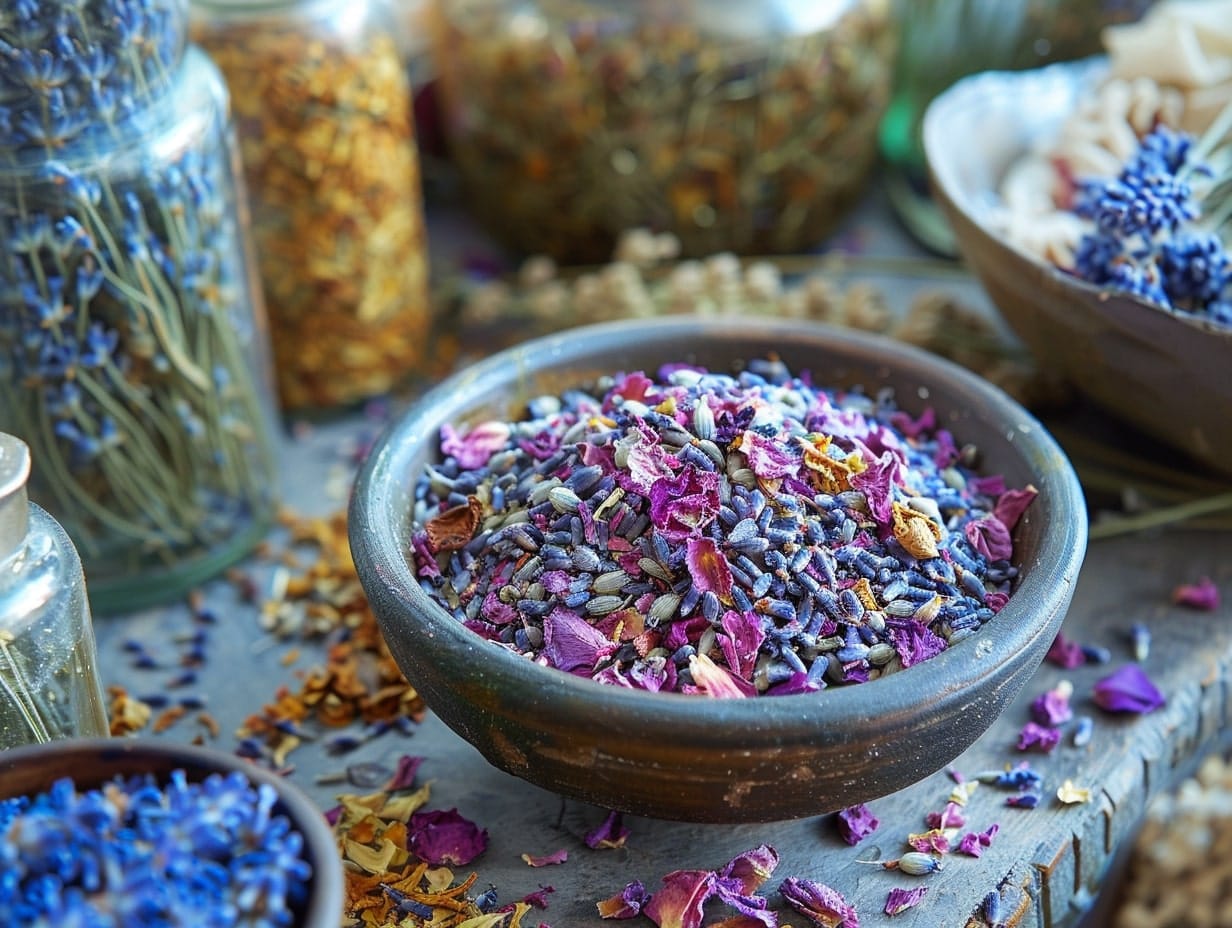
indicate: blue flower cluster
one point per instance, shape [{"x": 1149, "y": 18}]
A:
[
  {"x": 213, "y": 853},
  {"x": 72, "y": 70},
  {"x": 1147, "y": 241}
]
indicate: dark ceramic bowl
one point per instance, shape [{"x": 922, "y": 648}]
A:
[
  {"x": 1164, "y": 372},
  {"x": 692, "y": 758},
  {"x": 93, "y": 762}
]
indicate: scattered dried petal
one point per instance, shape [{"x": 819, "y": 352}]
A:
[
  {"x": 1127, "y": 689},
  {"x": 1203, "y": 595},
  {"x": 445, "y": 838},
  {"x": 1070, "y": 794},
  {"x": 900, "y": 900},
  {"x": 546, "y": 860},
  {"x": 825, "y": 907},
  {"x": 855, "y": 823}
]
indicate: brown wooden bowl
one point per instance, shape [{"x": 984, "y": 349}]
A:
[
  {"x": 91, "y": 762},
  {"x": 692, "y": 758},
  {"x": 1164, "y": 372}
]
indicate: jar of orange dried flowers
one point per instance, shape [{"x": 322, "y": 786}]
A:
[{"x": 324, "y": 116}]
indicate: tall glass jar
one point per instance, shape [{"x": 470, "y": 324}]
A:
[
  {"x": 740, "y": 126},
  {"x": 133, "y": 351},
  {"x": 324, "y": 114},
  {"x": 49, "y": 683}
]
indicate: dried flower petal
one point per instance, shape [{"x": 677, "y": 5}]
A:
[
  {"x": 1052, "y": 708},
  {"x": 1012, "y": 504},
  {"x": 572, "y": 643},
  {"x": 990, "y": 537},
  {"x": 1070, "y": 794},
  {"x": 1203, "y": 595},
  {"x": 876, "y": 482},
  {"x": 474, "y": 447},
  {"x": 678, "y": 904},
  {"x": 1127, "y": 689},
  {"x": 1037, "y": 737},
  {"x": 404, "y": 776},
  {"x": 767, "y": 459},
  {"x": 855, "y": 823},
  {"x": 717, "y": 682},
  {"x": 680, "y": 508},
  {"x": 546, "y": 860},
  {"x": 916, "y": 532},
  {"x": 825, "y": 907},
  {"x": 445, "y": 838},
  {"x": 973, "y": 843},
  {"x": 900, "y": 900},
  {"x": 610, "y": 833},
  {"x": 628, "y": 903},
  {"x": 933, "y": 841},
  {"x": 1065, "y": 653},
  {"x": 453, "y": 528},
  {"x": 752, "y": 868},
  {"x": 708, "y": 567},
  {"x": 949, "y": 817}
]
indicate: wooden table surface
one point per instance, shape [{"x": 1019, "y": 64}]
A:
[{"x": 1046, "y": 864}]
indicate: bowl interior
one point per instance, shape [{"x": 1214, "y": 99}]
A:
[
  {"x": 939, "y": 707},
  {"x": 1132, "y": 358},
  {"x": 94, "y": 761}
]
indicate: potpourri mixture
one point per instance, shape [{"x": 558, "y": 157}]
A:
[{"x": 716, "y": 534}]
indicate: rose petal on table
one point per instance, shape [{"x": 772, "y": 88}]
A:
[{"x": 1127, "y": 689}]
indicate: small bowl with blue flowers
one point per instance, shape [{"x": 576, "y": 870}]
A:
[
  {"x": 1091, "y": 216},
  {"x": 138, "y": 831},
  {"x": 717, "y": 569}
]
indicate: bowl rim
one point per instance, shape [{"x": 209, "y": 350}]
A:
[
  {"x": 326, "y": 892},
  {"x": 385, "y": 572},
  {"x": 978, "y": 90}
]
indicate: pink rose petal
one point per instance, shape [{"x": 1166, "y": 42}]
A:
[
  {"x": 1203, "y": 595},
  {"x": 1127, "y": 689},
  {"x": 445, "y": 838},
  {"x": 678, "y": 904}
]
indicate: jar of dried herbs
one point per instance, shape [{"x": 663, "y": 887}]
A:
[
  {"x": 736, "y": 126},
  {"x": 324, "y": 114},
  {"x": 132, "y": 336}
]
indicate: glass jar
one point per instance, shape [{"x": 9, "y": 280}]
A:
[
  {"x": 73, "y": 72},
  {"x": 49, "y": 684},
  {"x": 323, "y": 111},
  {"x": 943, "y": 40},
  {"x": 133, "y": 344},
  {"x": 736, "y": 126}
]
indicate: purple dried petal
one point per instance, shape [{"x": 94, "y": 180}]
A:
[
  {"x": 753, "y": 909},
  {"x": 900, "y": 900},
  {"x": 571, "y": 643},
  {"x": 539, "y": 898},
  {"x": 473, "y": 448},
  {"x": 1052, "y": 708},
  {"x": 678, "y": 904},
  {"x": 1036, "y": 736},
  {"x": 627, "y": 903},
  {"x": 1202, "y": 595},
  {"x": 708, "y": 567},
  {"x": 1065, "y": 653},
  {"x": 767, "y": 459},
  {"x": 1012, "y": 504},
  {"x": 445, "y": 838},
  {"x": 752, "y": 868},
  {"x": 996, "y": 600},
  {"x": 633, "y": 386},
  {"x": 946, "y": 452},
  {"x": 680, "y": 508},
  {"x": 740, "y": 641},
  {"x": 973, "y": 842},
  {"x": 610, "y": 833},
  {"x": 950, "y": 817},
  {"x": 824, "y": 906},
  {"x": 990, "y": 537},
  {"x": 914, "y": 428},
  {"x": 795, "y": 684},
  {"x": 855, "y": 823},
  {"x": 1128, "y": 689},
  {"x": 404, "y": 775},
  {"x": 990, "y": 485},
  {"x": 914, "y": 642},
  {"x": 876, "y": 482}
]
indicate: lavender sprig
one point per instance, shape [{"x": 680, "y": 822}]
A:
[{"x": 1160, "y": 225}]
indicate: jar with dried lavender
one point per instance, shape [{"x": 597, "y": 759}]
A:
[
  {"x": 135, "y": 362},
  {"x": 748, "y": 127},
  {"x": 324, "y": 115}
]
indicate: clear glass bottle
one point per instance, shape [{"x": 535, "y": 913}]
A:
[
  {"x": 49, "y": 684},
  {"x": 324, "y": 114},
  {"x": 135, "y": 361},
  {"x": 740, "y": 126}
]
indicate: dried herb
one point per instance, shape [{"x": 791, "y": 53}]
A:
[
  {"x": 575, "y": 121},
  {"x": 727, "y": 535},
  {"x": 324, "y": 122}
]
